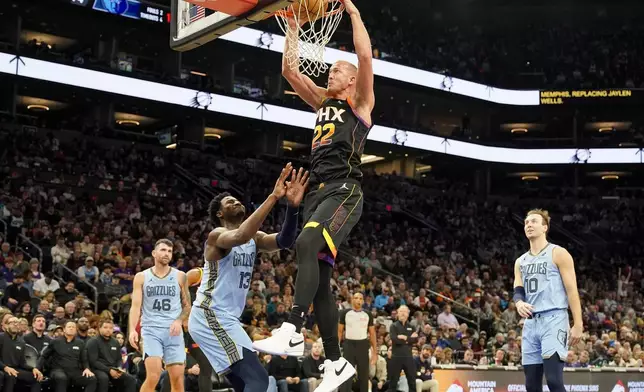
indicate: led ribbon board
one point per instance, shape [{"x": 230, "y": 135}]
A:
[
  {"x": 143, "y": 89},
  {"x": 251, "y": 37}
]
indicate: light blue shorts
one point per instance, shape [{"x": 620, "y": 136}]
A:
[
  {"x": 157, "y": 342},
  {"x": 220, "y": 338},
  {"x": 545, "y": 334}
]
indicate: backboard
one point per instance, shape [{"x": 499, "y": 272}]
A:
[{"x": 196, "y": 22}]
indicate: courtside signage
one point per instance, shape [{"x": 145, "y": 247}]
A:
[{"x": 117, "y": 84}]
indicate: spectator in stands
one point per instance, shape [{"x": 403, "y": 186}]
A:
[
  {"x": 378, "y": 374},
  {"x": 425, "y": 381},
  {"x": 45, "y": 284},
  {"x": 286, "y": 372},
  {"x": 70, "y": 310},
  {"x": 447, "y": 318},
  {"x": 37, "y": 338},
  {"x": 104, "y": 356},
  {"x": 6, "y": 271},
  {"x": 311, "y": 366},
  {"x": 16, "y": 293},
  {"x": 67, "y": 293},
  {"x": 382, "y": 299},
  {"x": 468, "y": 358},
  {"x": 88, "y": 272},
  {"x": 60, "y": 253},
  {"x": 59, "y": 316},
  {"x": 67, "y": 358},
  {"x": 278, "y": 317},
  {"x": 14, "y": 363},
  {"x": 499, "y": 358}
]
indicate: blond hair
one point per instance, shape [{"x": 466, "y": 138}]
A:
[{"x": 544, "y": 214}]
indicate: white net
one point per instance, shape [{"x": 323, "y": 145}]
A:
[{"x": 315, "y": 23}]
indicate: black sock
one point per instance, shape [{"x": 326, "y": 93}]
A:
[{"x": 297, "y": 317}]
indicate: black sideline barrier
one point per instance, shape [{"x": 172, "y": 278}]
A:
[{"x": 465, "y": 378}]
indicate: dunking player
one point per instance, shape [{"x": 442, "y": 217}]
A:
[
  {"x": 229, "y": 259},
  {"x": 161, "y": 299},
  {"x": 334, "y": 204},
  {"x": 544, "y": 285}
]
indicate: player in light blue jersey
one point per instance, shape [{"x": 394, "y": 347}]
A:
[
  {"x": 545, "y": 286},
  {"x": 229, "y": 260},
  {"x": 160, "y": 297}
]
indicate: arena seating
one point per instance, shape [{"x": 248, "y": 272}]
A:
[{"x": 458, "y": 249}]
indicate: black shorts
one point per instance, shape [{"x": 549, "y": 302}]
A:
[{"x": 336, "y": 206}]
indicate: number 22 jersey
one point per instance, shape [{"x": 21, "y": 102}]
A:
[
  {"x": 161, "y": 299},
  {"x": 339, "y": 138}
]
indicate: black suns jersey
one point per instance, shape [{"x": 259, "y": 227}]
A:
[{"x": 338, "y": 142}]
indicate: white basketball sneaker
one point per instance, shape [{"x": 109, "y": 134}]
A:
[
  {"x": 285, "y": 341},
  {"x": 335, "y": 374}
]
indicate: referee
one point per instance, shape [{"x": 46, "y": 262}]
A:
[
  {"x": 357, "y": 325},
  {"x": 403, "y": 337}
]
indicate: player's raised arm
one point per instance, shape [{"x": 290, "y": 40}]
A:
[
  {"x": 135, "y": 309},
  {"x": 295, "y": 189},
  {"x": 311, "y": 93},
  {"x": 365, "y": 98},
  {"x": 563, "y": 261},
  {"x": 224, "y": 238}
]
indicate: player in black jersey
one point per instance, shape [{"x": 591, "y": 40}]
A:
[{"x": 333, "y": 204}]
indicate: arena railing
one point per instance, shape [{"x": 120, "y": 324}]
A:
[
  {"x": 31, "y": 248},
  {"x": 460, "y": 305},
  {"x": 4, "y": 229},
  {"x": 71, "y": 272}
]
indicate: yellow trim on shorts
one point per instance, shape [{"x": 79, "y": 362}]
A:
[{"x": 327, "y": 237}]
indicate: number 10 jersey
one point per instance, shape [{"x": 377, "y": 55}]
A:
[
  {"x": 225, "y": 282},
  {"x": 161, "y": 299},
  {"x": 542, "y": 281}
]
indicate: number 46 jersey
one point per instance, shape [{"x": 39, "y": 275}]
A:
[
  {"x": 225, "y": 282},
  {"x": 161, "y": 299}
]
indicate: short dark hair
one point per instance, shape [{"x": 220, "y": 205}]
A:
[
  {"x": 37, "y": 316},
  {"x": 215, "y": 206},
  {"x": 165, "y": 242}
]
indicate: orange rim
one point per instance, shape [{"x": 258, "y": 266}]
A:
[{"x": 288, "y": 13}]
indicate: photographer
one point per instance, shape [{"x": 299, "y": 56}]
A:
[{"x": 403, "y": 337}]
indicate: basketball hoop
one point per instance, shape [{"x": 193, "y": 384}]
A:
[{"x": 316, "y": 21}]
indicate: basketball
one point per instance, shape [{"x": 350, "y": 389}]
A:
[{"x": 310, "y": 10}]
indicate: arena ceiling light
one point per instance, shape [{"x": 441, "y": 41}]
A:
[
  {"x": 249, "y": 37},
  {"x": 143, "y": 89}
]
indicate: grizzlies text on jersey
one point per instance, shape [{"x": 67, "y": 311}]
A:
[
  {"x": 542, "y": 281},
  {"x": 226, "y": 282},
  {"x": 338, "y": 142},
  {"x": 161, "y": 299},
  {"x": 214, "y": 320}
]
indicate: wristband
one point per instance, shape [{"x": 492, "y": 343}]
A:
[{"x": 519, "y": 294}]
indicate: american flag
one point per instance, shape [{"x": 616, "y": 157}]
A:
[{"x": 196, "y": 13}]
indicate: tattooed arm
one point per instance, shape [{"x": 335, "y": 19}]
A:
[{"x": 176, "y": 327}]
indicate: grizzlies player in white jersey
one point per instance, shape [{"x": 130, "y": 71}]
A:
[
  {"x": 229, "y": 260},
  {"x": 161, "y": 298},
  {"x": 545, "y": 286}
]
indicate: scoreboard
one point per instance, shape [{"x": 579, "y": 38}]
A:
[{"x": 133, "y": 9}]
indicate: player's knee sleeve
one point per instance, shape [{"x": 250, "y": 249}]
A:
[
  {"x": 553, "y": 368},
  {"x": 533, "y": 378},
  {"x": 308, "y": 244}
]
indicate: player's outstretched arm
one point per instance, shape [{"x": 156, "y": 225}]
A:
[
  {"x": 563, "y": 261},
  {"x": 224, "y": 238},
  {"x": 365, "y": 98},
  {"x": 295, "y": 189},
  {"x": 135, "y": 309},
  {"x": 311, "y": 93}
]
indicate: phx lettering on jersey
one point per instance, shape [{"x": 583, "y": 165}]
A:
[
  {"x": 154, "y": 291},
  {"x": 244, "y": 259},
  {"x": 330, "y": 113}
]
